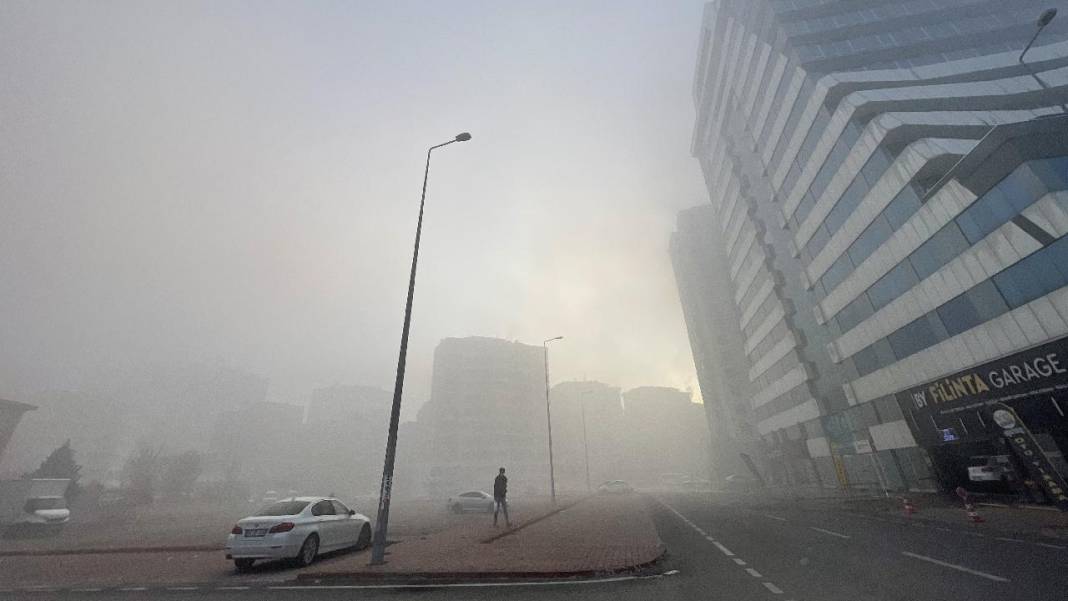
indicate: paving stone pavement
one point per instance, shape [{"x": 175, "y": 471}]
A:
[{"x": 597, "y": 534}]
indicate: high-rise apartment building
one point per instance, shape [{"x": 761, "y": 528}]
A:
[
  {"x": 888, "y": 187},
  {"x": 486, "y": 410}
]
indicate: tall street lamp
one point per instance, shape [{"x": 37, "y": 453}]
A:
[
  {"x": 1043, "y": 20},
  {"x": 548, "y": 417},
  {"x": 585, "y": 439},
  {"x": 378, "y": 548}
]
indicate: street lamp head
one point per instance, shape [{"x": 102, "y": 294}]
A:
[
  {"x": 466, "y": 136},
  {"x": 1046, "y": 16}
]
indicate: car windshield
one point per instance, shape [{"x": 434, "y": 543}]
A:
[{"x": 283, "y": 508}]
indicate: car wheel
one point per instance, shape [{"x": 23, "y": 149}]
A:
[
  {"x": 243, "y": 564},
  {"x": 365, "y": 537},
  {"x": 308, "y": 551}
]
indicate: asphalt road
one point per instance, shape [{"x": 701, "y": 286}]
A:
[{"x": 719, "y": 550}]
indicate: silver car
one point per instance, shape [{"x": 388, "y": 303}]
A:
[{"x": 472, "y": 500}]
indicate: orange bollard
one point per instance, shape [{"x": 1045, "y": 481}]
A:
[
  {"x": 973, "y": 516},
  {"x": 909, "y": 507}
]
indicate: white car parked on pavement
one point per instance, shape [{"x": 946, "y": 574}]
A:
[
  {"x": 472, "y": 500},
  {"x": 299, "y": 528}
]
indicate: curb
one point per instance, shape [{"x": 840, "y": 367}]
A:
[
  {"x": 109, "y": 550},
  {"x": 460, "y": 577}
]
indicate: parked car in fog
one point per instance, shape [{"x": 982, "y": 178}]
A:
[
  {"x": 33, "y": 504},
  {"x": 472, "y": 500},
  {"x": 46, "y": 511},
  {"x": 297, "y": 529},
  {"x": 614, "y": 487}
]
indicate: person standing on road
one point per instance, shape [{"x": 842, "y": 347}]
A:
[{"x": 500, "y": 498}]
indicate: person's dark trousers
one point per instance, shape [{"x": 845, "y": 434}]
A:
[{"x": 501, "y": 504}]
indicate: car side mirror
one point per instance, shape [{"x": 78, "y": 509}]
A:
[{"x": 352, "y": 512}]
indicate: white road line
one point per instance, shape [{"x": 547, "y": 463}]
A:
[
  {"x": 774, "y": 517},
  {"x": 771, "y": 587},
  {"x": 232, "y": 588},
  {"x": 134, "y": 588},
  {"x": 955, "y": 566},
  {"x": 1050, "y": 546},
  {"x": 739, "y": 561},
  {"x": 454, "y": 585},
  {"x": 753, "y": 573},
  {"x": 710, "y": 539},
  {"x": 831, "y": 532},
  {"x": 1011, "y": 540},
  {"x": 725, "y": 550}
]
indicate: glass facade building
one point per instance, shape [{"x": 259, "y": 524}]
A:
[{"x": 888, "y": 204}]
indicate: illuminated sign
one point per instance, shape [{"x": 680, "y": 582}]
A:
[
  {"x": 1040, "y": 370},
  {"x": 1034, "y": 458}
]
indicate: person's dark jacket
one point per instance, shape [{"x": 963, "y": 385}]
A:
[{"x": 500, "y": 486}]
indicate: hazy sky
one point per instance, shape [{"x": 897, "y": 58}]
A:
[{"x": 238, "y": 182}]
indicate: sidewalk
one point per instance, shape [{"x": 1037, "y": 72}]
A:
[{"x": 597, "y": 535}]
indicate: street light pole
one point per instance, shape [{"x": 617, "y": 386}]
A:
[
  {"x": 378, "y": 547},
  {"x": 548, "y": 417},
  {"x": 1043, "y": 20},
  {"x": 585, "y": 440}
]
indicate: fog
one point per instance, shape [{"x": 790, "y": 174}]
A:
[{"x": 232, "y": 188}]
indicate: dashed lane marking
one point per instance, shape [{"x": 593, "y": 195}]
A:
[
  {"x": 954, "y": 566},
  {"x": 1011, "y": 540},
  {"x": 232, "y": 588},
  {"x": 755, "y": 574},
  {"x": 725, "y": 550},
  {"x": 771, "y": 587},
  {"x": 130, "y": 589},
  {"x": 830, "y": 532},
  {"x": 1050, "y": 546},
  {"x": 774, "y": 517}
]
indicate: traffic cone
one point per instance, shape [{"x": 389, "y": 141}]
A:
[
  {"x": 972, "y": 515},
  {"x": 909, "y": 507}
]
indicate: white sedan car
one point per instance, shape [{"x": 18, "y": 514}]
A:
[
  {"x": 472, "y": 500},
  {"x": 297, "y": 529}
]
